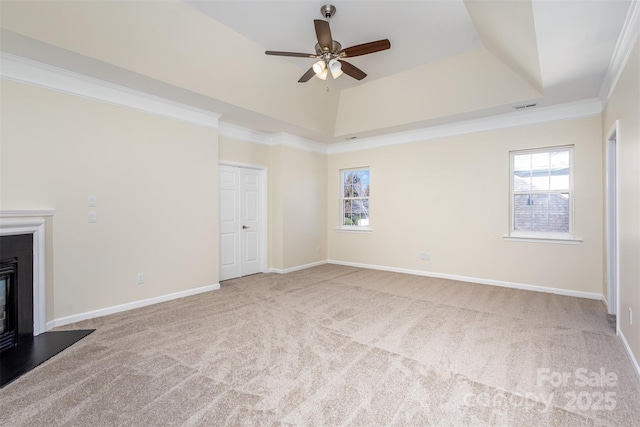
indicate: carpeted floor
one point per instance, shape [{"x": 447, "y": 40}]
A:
[{"x": 335, "y": 345}]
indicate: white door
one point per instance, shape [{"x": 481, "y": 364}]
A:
[
  {"x": 229, "y": 222},
  {"x": 250, "y": 218},
  {"x": 241, "y": 229}
]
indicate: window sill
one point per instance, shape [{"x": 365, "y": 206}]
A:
[
  {"x": 355, "y": 229},
  {"x": 542, "y": 239}
]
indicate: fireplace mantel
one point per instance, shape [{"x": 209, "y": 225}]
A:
[
  {"x": 22, "y": 213},
  {"x": 31, "y": 221}
]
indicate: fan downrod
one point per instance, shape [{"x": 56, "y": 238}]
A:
[{"x": 327, "y": 11}]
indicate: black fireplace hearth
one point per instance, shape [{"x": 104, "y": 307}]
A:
[
  {"x": 20, "y": 359},
  {"x": 20, "y": 351}
]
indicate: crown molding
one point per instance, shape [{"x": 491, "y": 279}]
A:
[
  {"x": 566, "y": 111},
  {"x": 35, "y": 73},
  {"x": 241, "y": 133},
  {"x": 293, "y": 141},
  {"x": 622, "y": 52},
  {"x": 24, "y": 70},
  {"x": 271, "y": 139}
]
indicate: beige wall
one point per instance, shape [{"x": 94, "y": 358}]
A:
[
  {"x": 624, "y": 106},
  {"x": 467, "y": 82},
  {"x": 297, "y": 199},
  {"x": 149, "y": 38},
  {"x": 438, "y": 196},
  {"x": 155, "y": 180},
  {"x": 304, "y": 195},
  {"x": 450, "y": 197}
]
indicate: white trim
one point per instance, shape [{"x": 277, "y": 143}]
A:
[
  {"x": 293, "y": 141},
  {"x": 38, "y": 74},
  {"x": 241, "y": 133},
  {"x": 32, "y": 225},
  {"x": 354, "y": 229},
  {"x": 241, "y": 165},
  {"x": 522, "y": 286},
  {"x": 542, "y": 240},
  {"x": 566, "y": 111},
  {"x": 622, "y": 52},
  {"x": 613, "y": 274},
  {"x": 35, "y": 73},
  {"x": 297, "y": 268},
  {"x": 228, "y": 130},
  {"x": 62, "y": 321},
  {"x": 632, "y": 357},
  {"x": 570, "y": 110},
  {"x": 26, "y": 213}
]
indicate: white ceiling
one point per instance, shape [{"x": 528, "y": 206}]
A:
[
  {"x": 568, "y": 52},
  {"x": 420, "y": 31},
  {"x": 575, "y": 38}
]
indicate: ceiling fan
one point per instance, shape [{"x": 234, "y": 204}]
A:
[{"x": 330, "y": 52}]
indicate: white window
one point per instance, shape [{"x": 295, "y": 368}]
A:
[
  {"x": 354, "y": 200},
  {"x": 542, "y": 193}
]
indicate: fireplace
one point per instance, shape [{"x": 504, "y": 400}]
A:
[
  {"x": 16, "y": 289},
  {"x": 31, "y": 222},
  {"x": 23, "y": 332}
]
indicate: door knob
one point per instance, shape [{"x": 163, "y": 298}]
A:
[{"x": 244, "y": 227}]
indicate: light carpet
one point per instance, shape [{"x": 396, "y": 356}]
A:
[{"x": 334, "y": 345}]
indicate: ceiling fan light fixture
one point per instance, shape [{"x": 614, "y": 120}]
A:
[
  {"x": 336, "y": 68},
  {"x": 323, "y": 75},
  {"x": 319, "y": 67}
]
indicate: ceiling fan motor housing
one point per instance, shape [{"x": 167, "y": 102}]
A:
[{"x": 335, "y": 48}]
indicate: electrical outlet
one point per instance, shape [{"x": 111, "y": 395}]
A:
[
  {"x": 140, "y": 278},
  {"x": 630, "y": 316},
  {"x": 92, "y": 201},
  {"x": 93, "y": 217},
  {"x": 425, "y": 256}
]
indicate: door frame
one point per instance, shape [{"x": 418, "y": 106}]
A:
[
  {"x": 263, "y": 248},
  {"x": 612, "y": 215}
]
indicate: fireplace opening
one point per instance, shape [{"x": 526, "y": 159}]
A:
[
  {"x": 16, "y": 290},
  {"x": 7, "y": 304}
]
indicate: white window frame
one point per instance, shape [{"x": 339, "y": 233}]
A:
[
  {"x": 355, "y": 228},
  {"x": 543, "y": 236}
]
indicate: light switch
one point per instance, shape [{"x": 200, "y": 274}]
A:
[
  {"x": 93, "y": 202},
  {"x": 93, "y": 217}
]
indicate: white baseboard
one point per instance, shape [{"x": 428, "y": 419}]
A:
[
  {"x": 128, "y": 306},
  {"x": 632, "y": 357},
  {"x": 567, "y": 292},
  {"x": 296, "y": 268}
]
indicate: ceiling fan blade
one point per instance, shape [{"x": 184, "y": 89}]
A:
[
  {"x": 365, "y": 48},
  {"x": 296, "y": 54},
  {"x": 323, "y": 33},
  {"x": 352, "y": 70},
  {"x": 307, "y": 76}
]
